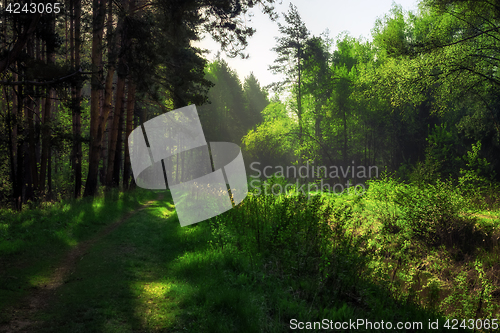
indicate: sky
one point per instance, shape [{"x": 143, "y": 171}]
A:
[{"x": 357, "y": 17}]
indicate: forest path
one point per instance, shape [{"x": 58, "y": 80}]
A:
[
  {"x": 151, "y": 275},
  {"x": 22, "y": 320}
]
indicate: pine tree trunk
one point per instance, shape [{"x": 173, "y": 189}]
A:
[
  {"x": 119, "y": 146},
  {"x": 99, "y": 11},
  {"x": 45, "y": 139},
  {"x": 106, "y": 116},
  {"x": 77, "y": 122},
  {"x": 19, "y": 184},
  {"x": 46, "y": 116},
  {"x": 31, "y": 160},
  {"x": 113, "y": 133},
  {"x": 12, "y": 137},
  {"x": 128, "y": 130}
]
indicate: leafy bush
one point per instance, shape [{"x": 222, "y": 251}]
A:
[
  {"x": 472, "y": 295},
  {"x": 429, "y": 213},
  {"x": 440, "y": 160},
  {"x": 476, "y": 181},
  {"x": 304, "y": 240},
  {"x": 382, "y": 194}
]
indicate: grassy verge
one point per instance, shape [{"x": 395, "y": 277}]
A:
[
  {"x": 32, "y": 242},
  {"x": 398, "y": 254},
  {"x": 152, "y": 275}
]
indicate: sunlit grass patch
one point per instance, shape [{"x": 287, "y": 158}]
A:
[
  {"x": 488, "y": 216},
  {"x": 160, "y": 302},
  {"x": 40, "y": 278},
  {"x": 190, "y": 263},
  {"x": 156, "y": 289}
]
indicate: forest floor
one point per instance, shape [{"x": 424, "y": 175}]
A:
[
  {"x": 138, "y": 270},
  {"x": 142, "y": 273},
  {"x": 24, "y": 316}
]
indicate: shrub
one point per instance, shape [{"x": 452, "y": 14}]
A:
[
  {"x": 430, "y": 212},
  {"x": 474, "y": 181}
]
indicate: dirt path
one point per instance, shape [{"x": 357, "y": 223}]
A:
[{"x": 38, "y": 300}]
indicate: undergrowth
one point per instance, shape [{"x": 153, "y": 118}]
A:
[
  {"x": 399, "y": 253},
  {"x": 423, "y": 245}
]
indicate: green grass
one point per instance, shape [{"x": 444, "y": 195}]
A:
[
  {"x": 274, "y": 259},
  {"x": 153, "y": 275},
  {"x": 33, "y": 242},
  {"x": 398, "y": 251}
]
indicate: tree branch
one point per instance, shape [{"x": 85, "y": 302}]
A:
[{"x": 20, "y": 43}]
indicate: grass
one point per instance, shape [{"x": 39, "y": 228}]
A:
[
  {"x": 152, "y": 275},
  {"x": 273, "y": 260},
  {"x": 441, "y": 255},
  {"x": 33, "y": 242},
  {"x": 418, "y": 244}
]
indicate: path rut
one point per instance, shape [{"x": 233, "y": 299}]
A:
[{"x": 38, "y": 300}]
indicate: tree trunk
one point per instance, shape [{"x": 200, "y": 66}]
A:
[
  {"x": 19, "y": 184},
  {"x": 45, "y": 139},
  {"x": 343, "y": 113},
  {"x": 299, "y": 106},
  {"x": 77, "y": 112},
  {"x": 105, "y": 120},
  {"x": 31, "y": 165},
  {"x": 113, "y": 133},
  {"x": 128, "y": 130},
  {"x": 99, "y": 11},
  {"x": 49, "y": 175},
  {"x": 113, "y": 147},
  {"x": 46, "y": 117},
  {"x": 12, "y": 137},
  {"x": 119, "y": 146}
]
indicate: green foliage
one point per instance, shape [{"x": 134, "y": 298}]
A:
[
  {"x": 472, "y": 295},
  {"x": 477, "y": 168},
  {"x": 391, "y": 35},
  {"x": 440, "y": 157},
  {"x": 233, "y": 109},
  {"x": 290, "y": 49},
  {"x": 306, "y": 257},
  {"x": 312, "y": 246},
  {"x": 476, "y": 180},
  {"x": 255, "y": 100},
  {"x": 272, "y": 141},
  {"x": 224, "y": 118},
  {"x": 423, "y": 89},
  {"x": 426, "y": 239},
  {"x": 430, "y": 213}
]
